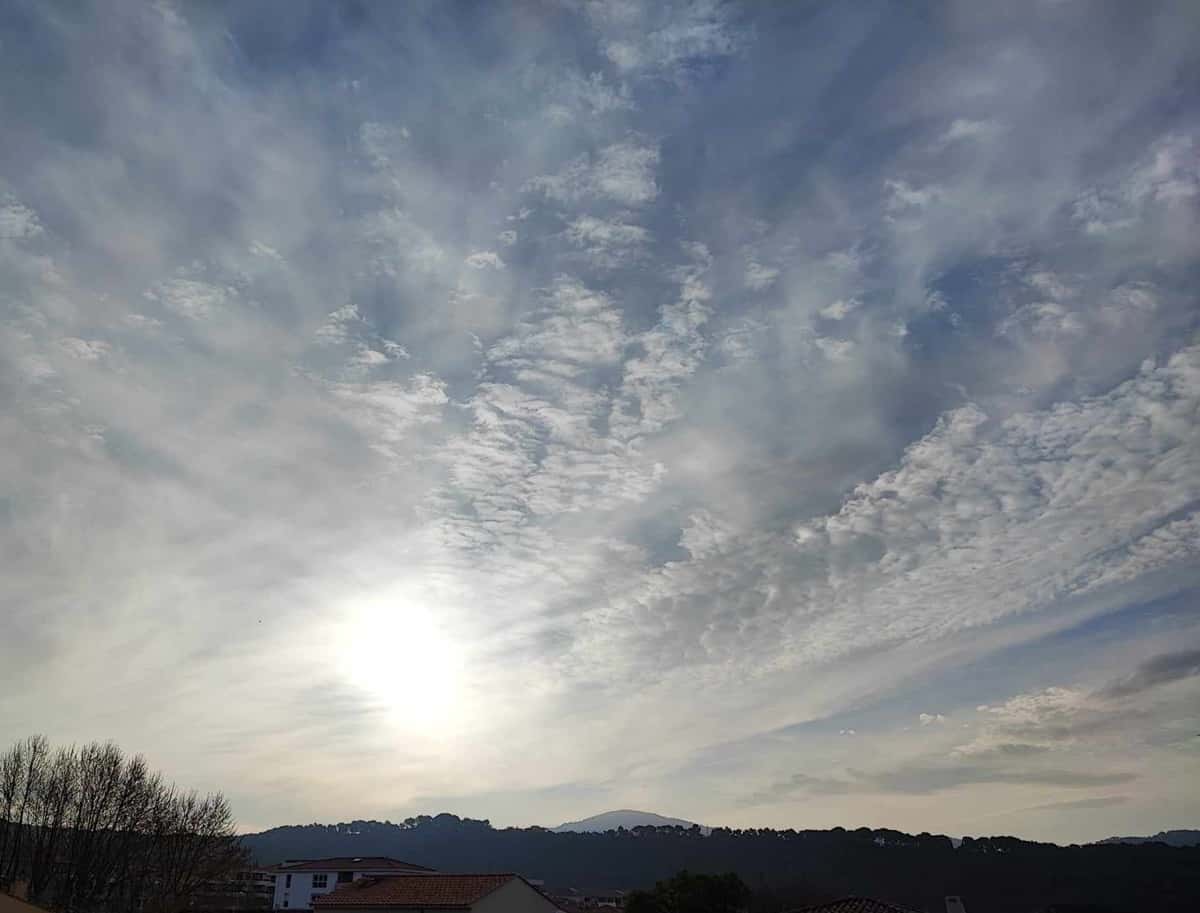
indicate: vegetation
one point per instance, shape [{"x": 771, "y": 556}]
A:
[
  {"x": 89, "y": 829},
  {"x": 688, "y": 893},
  {"x": 784, "y": 868}
]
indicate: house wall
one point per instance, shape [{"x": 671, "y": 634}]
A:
[
  {"x": 299, "y": 894},
  {"x": 295, "y": 888},
  {"x": 514, "y": 897}
]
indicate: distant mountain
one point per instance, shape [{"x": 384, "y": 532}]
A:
[
  {"x": 1171, "y": 838},
  {"x": 622, "y": 818}
]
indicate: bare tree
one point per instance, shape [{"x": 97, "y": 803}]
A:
[
  {"x": 198, "y": 846},
  {"x": 29, "y": 761},
  {"x": 12, "y": 769},
  {"x": 89, "y": 829},
  {"x": 52, "y": 802}
]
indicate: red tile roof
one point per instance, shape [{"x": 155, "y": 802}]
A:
[
  {"x": 855, "y": 905},
  {"x": 10, "y": 904},
  {"x": 440, "y": 890},
  {"x": 350, "y": 864}
]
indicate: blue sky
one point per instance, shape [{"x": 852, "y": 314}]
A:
[{"x": 765, "y": 414}]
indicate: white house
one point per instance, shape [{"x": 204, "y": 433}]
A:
[
  {"x": 435, "y": 892},
  {"x": 299, "y": 881},
  {"x": 592, "y": 899}
]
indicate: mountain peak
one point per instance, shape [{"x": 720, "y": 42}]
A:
[
  {"x": 627, "y": 818},
  {"x": 1171, "y": 838}
]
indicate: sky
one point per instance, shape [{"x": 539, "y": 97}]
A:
[{"x": 769, "y": 414}]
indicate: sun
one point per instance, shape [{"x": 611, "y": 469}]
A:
[{"x": 395, "y": 648}]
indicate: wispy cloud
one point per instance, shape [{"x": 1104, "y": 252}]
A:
[{"x": 1080, "y": 804}]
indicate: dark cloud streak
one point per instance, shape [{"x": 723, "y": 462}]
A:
[{"x": 1159, "y": 670}]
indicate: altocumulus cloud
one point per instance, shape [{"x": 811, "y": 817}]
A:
[{"x": 661, "y": 379}]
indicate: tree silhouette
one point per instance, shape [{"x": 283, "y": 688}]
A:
[
  {"x": 686, "y": 892},
  {"x": 89, "y": 829}
]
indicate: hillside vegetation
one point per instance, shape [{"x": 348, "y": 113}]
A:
[{"x": 784, "y": 867}]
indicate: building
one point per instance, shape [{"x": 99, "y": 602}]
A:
[
  {"x": 10, "y": 904},
  {"x": 299, "y": 881},
  {"x": 593, "y": 899},
  {"x": 499, "y": 893},
  {"x": 250, "y": 890},
  {"x": 855, "y": 905}
]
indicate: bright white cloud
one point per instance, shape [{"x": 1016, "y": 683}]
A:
[
  {"x": 484, "y": 259},
  {"x": 85, "y": 349},
  {"x": 622, "y": 173},
  {"x": 608, "y": 243},
  {"x": 190, "y": 298},
  {"x": 759, "y": 277},
  {"x": 18, "y": 221},
  {"x": 839, "y": 310}
]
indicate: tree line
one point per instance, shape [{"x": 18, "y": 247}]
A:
[
  {"x": 686, "y": 892},
  {"x": 784, "y": 869},
  {"x": 89, "y": 828}
]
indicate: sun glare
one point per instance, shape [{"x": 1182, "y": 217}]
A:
[{"x": 395, "y": 649}]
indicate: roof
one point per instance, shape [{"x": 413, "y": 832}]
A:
[
  {"x": 350, "y": 863},
  {"x": 855, "y": 905},
  {"x": 437, "y": 890},
  {"x": 10, "y": 904}
]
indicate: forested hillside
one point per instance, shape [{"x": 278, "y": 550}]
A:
[{"x": 785, "y": 868}]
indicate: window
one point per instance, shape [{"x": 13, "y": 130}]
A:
[
  {"x": 320, "y": 881},
  {"x": 285, "y": 902},
  {"x": 343, "y": 877},
  {"x": 287, "y": 882}
]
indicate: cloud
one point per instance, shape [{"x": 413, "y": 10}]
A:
[
  {"x": 930, "y": 778},
  {"x": 1156, "y": 671},
  {"x": 1166, "y": 177},
  {"x": 18, "y": 221},
  {"x": 622, "y": 173},
  {"x": 1029, "y": 474},
  {"x": 388, "y": 410},
  {"x": 1064, "y": 720},
  {"x": 905, "y": 200},
  {"x": 578, "y": 96},
  {"x": 1080, "y": 804},
  {"x": 839, "y": 310},
  {"x": 534, "y": 448},
  {"x": 351, "y": 337},
  {"x": 965, "y": 129},
  {"x": 608, "y": 243},
  {"x": 1060, "y": 737},
  {"x": 1036, "y": 722},
  {"x": 259, "y": 249},
  {"x": 759, "y": 277},
  {"x": 589, "y": 379},
  {"x": 668, "y": 40},
  {"x": 337, "y": 326},
  {"x": 919, "y": 779},
  {"x": 484, "y": 259},
  {"x": 85, "y": 349},
  {"x": 190, "y": 298},
  {"x": 671, "y": 351},
  {"x": 379, "y": 140},
  {"x": 795, "y": 786}
]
